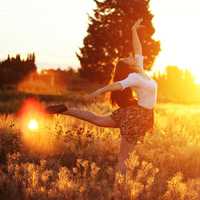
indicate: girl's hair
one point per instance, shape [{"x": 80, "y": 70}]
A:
[{"x": 125, "y": 97}]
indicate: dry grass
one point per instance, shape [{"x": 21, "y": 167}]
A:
[{"x": 72, "y": 159}]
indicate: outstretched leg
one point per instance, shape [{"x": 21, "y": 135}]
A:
[{"x": 103, "y": 121}]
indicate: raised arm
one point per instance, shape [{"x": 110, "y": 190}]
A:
[{"x": 135, "y": 38}]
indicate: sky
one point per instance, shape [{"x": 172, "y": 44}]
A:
[
  {"x": 178, "y": 29},
  {"x": 55, "y": 29}
]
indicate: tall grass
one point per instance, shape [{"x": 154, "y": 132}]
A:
[{"x": 72, "y": 159}]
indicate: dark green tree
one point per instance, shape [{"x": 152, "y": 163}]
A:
[
  {"x": 13, "y": 70},
  {"x": 109, "y": 37}
]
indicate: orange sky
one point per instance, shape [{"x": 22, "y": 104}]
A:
[{"x": 54, "y": 30}]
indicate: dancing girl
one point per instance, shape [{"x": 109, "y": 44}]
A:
[{"x": 135, "y": 115}]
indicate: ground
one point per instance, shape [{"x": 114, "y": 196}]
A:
[{"x": 68, "y": 158}]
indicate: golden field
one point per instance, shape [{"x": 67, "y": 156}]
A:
[{"x": 68, "y": 158}]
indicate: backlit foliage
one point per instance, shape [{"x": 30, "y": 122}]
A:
[{"x": 72, "y": 159}]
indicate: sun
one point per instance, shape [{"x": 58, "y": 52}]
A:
[
  {"x": 176, "y": 28},
  {"x": 33, "y": 125}
]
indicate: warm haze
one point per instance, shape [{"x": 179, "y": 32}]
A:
[
  {"x": 177, "y": 27},
  {"x": 54, "y": 30},
  {"x": 63, "y": 137}
]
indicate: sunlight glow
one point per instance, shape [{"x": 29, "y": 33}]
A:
[
  {"x": 31, "y": 116},
  {"x": 176, "y": 24},
  {"x": 33, "y": 125}
]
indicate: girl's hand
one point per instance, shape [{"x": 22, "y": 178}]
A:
[{"x": 137, "y": 24}]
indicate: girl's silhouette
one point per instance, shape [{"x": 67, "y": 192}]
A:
[{"x": 135, "y": 115}]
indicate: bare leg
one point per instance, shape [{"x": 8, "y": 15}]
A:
[
  {"x": 104, "y": 121},
  {"x": 125, "y": 148},
  {"x": 120, "y": 186}
]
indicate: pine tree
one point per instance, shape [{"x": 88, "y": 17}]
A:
[
  {"x": 14, "y": 69},
  {"x": 109, "y": 37}
]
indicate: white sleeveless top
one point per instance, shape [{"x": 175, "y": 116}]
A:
[{"x": 145, "y": 89}]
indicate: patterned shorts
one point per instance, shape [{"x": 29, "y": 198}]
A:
[{"x": 133, "y": 121}]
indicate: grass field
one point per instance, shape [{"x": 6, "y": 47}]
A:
[{"x": 71, "y": 159}]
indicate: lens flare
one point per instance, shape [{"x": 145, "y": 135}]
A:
[
  {"x": 35, "y": 128},
  {"x": 33, "y": 125},
  {"x": 31, "y": 116}
]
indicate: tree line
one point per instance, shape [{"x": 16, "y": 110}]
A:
[
  {"x": 15, "y": 69},
  {"x": 174, "y": 85},
  {"x": 177, "y": 85},
  {"x": 108, "y": 39}
]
